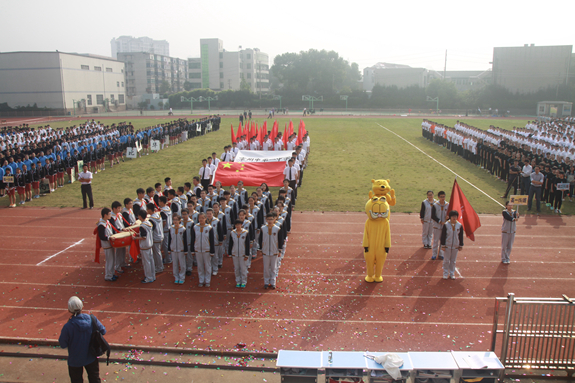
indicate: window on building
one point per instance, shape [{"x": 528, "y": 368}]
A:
[
  {"x": 221, "y": 64},
  {"x": 195, "y": 75},
  {"x": 118, "y": 84},
  {"x": 85, "y": 67},
  {"x": 89, "y": 99},
  {"x": 121, "y": 98},
  {"x": 98, "y": 68},
  {"x": 112, "y": 98},
  {"x": 249, "y": 56},
  {"x": 221, "y": 74},
  {"x": 122, "y": 84},
  {"x": 99, "y": 99},
  {"x": 109, "y": 70},
  {"x": 249, "y": 75},
  {"x": 195, "y": 65},
  {"x": 221, "y": 55},
  {"x": 249, "y": 66},
  {"x": 221, "y": 85},
  {"x": 122, "y": 71}
]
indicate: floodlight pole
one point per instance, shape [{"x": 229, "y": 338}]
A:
[
  {"x": 74, "y": 106},
  {"x": 208, "y": 99},
  {"x": 436, "y": 99},
  {"x": 344, "y": 97},
  {"x": 191, "y": 100},
  {"x": 278, "y": 98},
  {"x": 311, "y": 99}
]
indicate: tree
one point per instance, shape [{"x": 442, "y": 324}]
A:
[
  {"x": 142, "y": 105},
  {"x": 165, "y": 87},
  {"x": 244, "y": 85},
  {"x": 315, "y": 72},
  {"x": 446, "y": 92},
  {"x": 187, "y": 86},
  {"x": 161, "y": 104}
]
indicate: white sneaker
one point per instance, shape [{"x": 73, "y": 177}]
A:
[
  {"x": 215, "y": 273},
  {"x": 452, "y": 277},
  {"x": 445, "y": 277}
]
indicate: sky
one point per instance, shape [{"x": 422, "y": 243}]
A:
[{"x": 415, "y": 33}]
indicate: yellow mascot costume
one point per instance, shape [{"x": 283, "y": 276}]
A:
[{"x": 376, "y": 235}]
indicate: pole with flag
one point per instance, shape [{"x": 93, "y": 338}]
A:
[
  {"x": 468, "y": 218},
  {"x": 233, "y": 136}
]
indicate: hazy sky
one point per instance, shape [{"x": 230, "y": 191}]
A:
[{"x": 415, "y": 33}]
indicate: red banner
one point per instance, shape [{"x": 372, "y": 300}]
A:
[
  {"x": 468, "y": 218},
  {"x": 251, "y": 173}
]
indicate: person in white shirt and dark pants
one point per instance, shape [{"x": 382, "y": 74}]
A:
[{"x": 85, "y": 177}]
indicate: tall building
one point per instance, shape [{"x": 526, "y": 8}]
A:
[
  {"x": 223, "y": 70},
  {"x": 388, "y": 74},
  {"x": 139, "y": 44},
  {"x": 465, "y": 80},
  {"x": 146, "y": 72},
  {"x": 61, "y": 80},
  {"x": 530, "y": 68}
]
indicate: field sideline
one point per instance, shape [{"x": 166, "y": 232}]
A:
[{"x": 346, "y": 154}]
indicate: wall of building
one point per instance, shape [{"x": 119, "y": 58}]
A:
[
  {"x": 528, "y": 69},
  {"x": 139, "y": 44},
  {"x": 210, "y": 50},
  {"x": 231, "y": 71},
  {"x": 28, "y": 78}
]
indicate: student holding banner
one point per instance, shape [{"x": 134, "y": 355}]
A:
[
  {"x": 508, "y": 230},
  {"x": 558, "y": 186}
]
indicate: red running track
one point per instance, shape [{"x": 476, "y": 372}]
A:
[{"x": 46, "y": 255}]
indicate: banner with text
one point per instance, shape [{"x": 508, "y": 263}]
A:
[{"x": 263, "y": 155}]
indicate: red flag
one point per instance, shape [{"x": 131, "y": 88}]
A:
[
  {"x": 290, "y": 127},
  {"x": 251, "y": 173},
  {"x": 274, "y": 132},
  {"x": 467, "y": 216},
  {"x": 239, "y": 133},
  {"x": 233, "y": 136},
  {"x": 285, "y": 137}
]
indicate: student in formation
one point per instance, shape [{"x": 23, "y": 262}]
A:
[
  {"x": 247, "y": 225},
  {"x": 29, "y": 178},
  {"x": 239, "y": 249},
  {"x": 508, "y": 230},
  {"x": 203, "y": 248},
  {"x": 118, "y": 223},
  {"x": 20, "y": 182},
  {"x": 218, "y": 238},
  {"x": 557, "y": 194},
  {"x": 451, "y": 242},
  {"x": 204, "y": 203},
  {"x": 270, "y": 245},
  {"x": 146, "y": 238},
  {"x": 178, "y": 247},
  {"x": 187, "y": 223},
  {"x": 140, "y": 202},
  {"x": 104, "y": 233},
  {"x": 166, "y": 215},
  {"x": 158, "y": 236},
  {"x": 439, "y": 216},
  {"x": 425, "y": 217},
  {"x": 10, "y": 188},
  {"x": 224, "y": 227}
]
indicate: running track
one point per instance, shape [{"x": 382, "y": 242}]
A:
[{"x": 321, "y": 302}]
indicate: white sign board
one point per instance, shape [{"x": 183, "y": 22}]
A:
[
  {"x": 518, "y": 199},
  {"x": 198, "y": 128},
  {"x": 131, "y": 153},
  {"x": 263, "y": 155},
  {"x": 138, "y": 146},
  {"x": 563, "y": 186},
  {"x": 155, "y": 145},
  {"x": 184, "y": 136}
]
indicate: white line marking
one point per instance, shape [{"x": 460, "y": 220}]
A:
[
  {"x": 236, "y": 318},
  {"x": 457, "y": 175},
  {"x": 458, "y": 273},
  {"x": 60, "y": 252}
]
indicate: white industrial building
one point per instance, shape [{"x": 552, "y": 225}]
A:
[
  {"x": 139, "y": 44},
  {"x": 61, "y": 80}
]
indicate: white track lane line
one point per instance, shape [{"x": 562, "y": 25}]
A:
[
  {"x": 457, "y": 175},
  {"x": 60, "y": 252}
]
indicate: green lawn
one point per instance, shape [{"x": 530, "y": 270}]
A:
[{"x": 346, "y": 154}]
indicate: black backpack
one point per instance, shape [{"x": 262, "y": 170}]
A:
[{"x": 98, "y": 345}]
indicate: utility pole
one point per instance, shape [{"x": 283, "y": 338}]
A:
[{"x": 445, "y": 66}]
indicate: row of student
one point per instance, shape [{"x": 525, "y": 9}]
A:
[
  {"x": 510, "y": 163},
  {"x": 185, "y": 236},
  {"x": 53, "y": 160},
  {"x": 436, "y": 230}
]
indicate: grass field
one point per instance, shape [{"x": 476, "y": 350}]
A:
[{"x": 346, "y": 154}]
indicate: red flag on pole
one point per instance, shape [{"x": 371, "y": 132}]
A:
[
  {"x": 467, "y": 216},
  {"x": 239, "y": 133},
  {"x": 233, "y": 136},
  {"x": 285, "y": 137},
  {"x": 251, "y": 173},
  {"x": 290, "y": 127}
]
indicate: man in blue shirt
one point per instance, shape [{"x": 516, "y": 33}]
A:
[{"x": 75, "y": 336}]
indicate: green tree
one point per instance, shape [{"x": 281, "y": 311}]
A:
[
  {"x": 187, "y": 86},
  {"x": 142, "y": 105},
  {"x": 161, "y": 105},
  {"x": 165, "y": 87},
  {"x": 245, "y": 86},
  {"x": 446, "y": 92}
]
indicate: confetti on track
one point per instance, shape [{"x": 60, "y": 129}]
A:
[{"x": 321, "y": 302}]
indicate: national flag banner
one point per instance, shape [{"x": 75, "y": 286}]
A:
[
  {"x": 467, "y": 216},
  {"x": 250, "y": 173}
]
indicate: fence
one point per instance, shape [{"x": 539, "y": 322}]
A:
[{"x": 537, "y": 333}]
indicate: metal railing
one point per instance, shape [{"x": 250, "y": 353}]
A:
[{"x": 537, "y": 333}]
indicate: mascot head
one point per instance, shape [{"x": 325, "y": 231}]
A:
[
  {"x": 380, "y": 187},
  {"x": 377, "y": 208}
]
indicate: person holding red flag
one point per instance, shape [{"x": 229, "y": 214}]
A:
[
  {"x": 451, "y": 243},
  {"x": 467, "y": 216}
]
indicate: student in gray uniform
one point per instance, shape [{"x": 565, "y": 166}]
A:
[
  {"x": 218, "y": 237},
  {"x": 425, "y": 216},
  {"x": 508, "y": 230},
  {"x": 239, "y": 249},
  {"x": 178, "y": 245},
  {"x": 451, "y": 242},
  {"x": 104, "y": 233},
  {"x": 224, "y": 227},
  {"x": 439, "y": 216},
  {"x": 188, "y": 224},
  {"x": 203, "y": 248},
  {"x": 270, "y": 244},
  {"x": 166, "y": 215},
  {"x": 158, "y": 236},
  {"x": 146, "y": 238}
]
